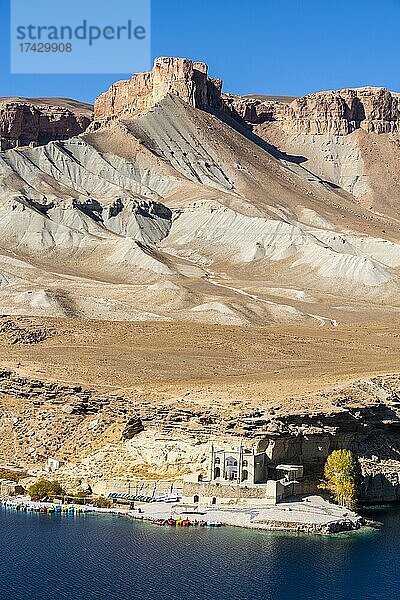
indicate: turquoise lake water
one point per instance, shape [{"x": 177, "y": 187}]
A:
[{"x": 45, "y": 557}]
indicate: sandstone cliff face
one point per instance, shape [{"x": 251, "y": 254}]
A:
[
  {"x": 36, "y": 122},
  {"x": 104, "y": 437},
  {"x": 176, "y": 76},
  {"x": 376, "y": 110},
  {"x": 348, "y": 137}
]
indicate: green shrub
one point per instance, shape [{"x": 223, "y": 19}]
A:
[
  {"x": 43, "y": 488},
  {"x": 102, "y": 502},
  {"x": 81, "y": 494}
]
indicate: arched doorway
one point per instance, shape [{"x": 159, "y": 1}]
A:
[
  {"x": 196, "y": 499},
  {"x": 245, "y": 474},
  {"x": 217, "y": 472},
  {"x": 214, "y": 500}
]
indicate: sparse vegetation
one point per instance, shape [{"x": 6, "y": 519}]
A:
[
  {"x": 343, "y": 477},
  {"x": 12, "y": 475},
  {"x": 81, "y": 494},
  {"x": 102, "y": 502}
]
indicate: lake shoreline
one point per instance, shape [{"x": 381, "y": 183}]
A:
[
  {"x": 114, "y": 557},
  {"x": 309, "y": 514}
]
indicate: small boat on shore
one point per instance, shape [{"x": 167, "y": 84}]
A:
[
  {"x": 186, "y": 522},
  {"x": 43, "y": 507},
  {"x": 214, "y": 524}
]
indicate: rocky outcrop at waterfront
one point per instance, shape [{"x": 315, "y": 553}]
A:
[{"x": 104, "y": 436}]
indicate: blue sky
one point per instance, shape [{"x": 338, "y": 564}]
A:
[{"x": 287, "y": 47}]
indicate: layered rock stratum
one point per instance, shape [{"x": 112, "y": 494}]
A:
[
  {"x": 349, "y": 137},
  {"x": 375, "y": 110},
  {"x": 119, "y": 402},
  {"x": 168, "y": 206},
  {"x": 37, "y": 121},
  {"x": 176, "y": 76},
  {"x": 183, "y": 204}
]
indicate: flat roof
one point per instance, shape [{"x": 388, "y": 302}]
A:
[{"x": 289, "y": 467}]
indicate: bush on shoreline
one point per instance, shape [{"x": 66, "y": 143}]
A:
[
  {"x": 342, "y": 474},
  {"x": 102, "y": 502},
  {"x": 44, "y": 488}
]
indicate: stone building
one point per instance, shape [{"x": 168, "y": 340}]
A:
[
  {"x": 53, "y": 465},
  {"x": 248, "y": 467},
  {"x": 242, "y": 475},
  {"x": 10, "y": 488},
  {"x": 238, "y": 466}
]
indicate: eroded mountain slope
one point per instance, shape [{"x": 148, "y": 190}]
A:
[
  {"x": 171, "y": 212},
  {"x": 350, "y": 137}
]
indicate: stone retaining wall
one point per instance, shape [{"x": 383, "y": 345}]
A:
[{"x": 210, "y": 490}]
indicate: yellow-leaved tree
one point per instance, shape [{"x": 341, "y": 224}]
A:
[{"x": 342, "y": 474}]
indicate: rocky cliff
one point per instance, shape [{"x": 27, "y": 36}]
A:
[
  {"x": 348, "y": 137},
  {"x": 36, "y": 121},
  {"x": 176, "y": 76},
  {"x": 333, "y": 112},
  {"x": 104, "y": 437},
  {"x": 172, "y": 213},
  {"x": 376, "y": 110}
]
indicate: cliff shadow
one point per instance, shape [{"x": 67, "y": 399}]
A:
[{"x": 235, "y": 121}]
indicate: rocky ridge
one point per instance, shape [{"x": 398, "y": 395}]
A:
[
  {"x": 36, "y": 121},
  {"x": 169, "y": 76},
  {"x": 171, "y": 212},
  {"x": 16, "y": 333},
  {"x": 340, "y": 112},
  {"x": 150, "y": 199},
  {"x": 337, "y": 112},
  {"x": 348, "y": 137}
]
